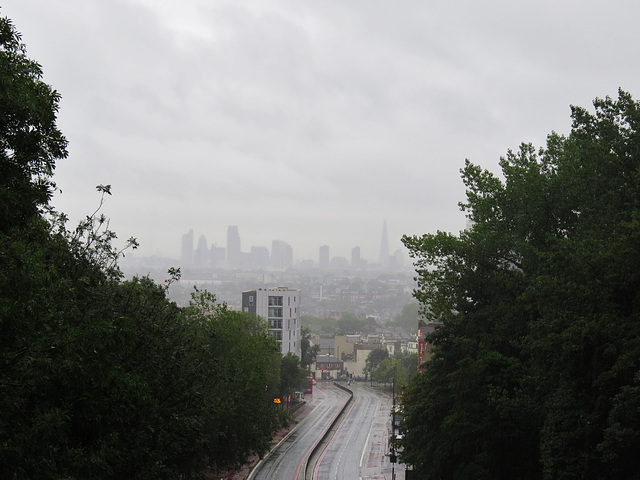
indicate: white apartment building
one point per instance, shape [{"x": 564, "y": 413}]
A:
[{"x": 281, "y": 308}]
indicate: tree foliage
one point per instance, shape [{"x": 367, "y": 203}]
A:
[
  {"x": 385, "y": 369},
  {"x": 408, "y": 317},
  {"x": 536, "y": 364},
  {"x": 374, "y": 358},
  {"x": 350, "y": 323},
  {"x": 103, "y": 378},
  {"x": 391, "y": 370},
  {"x": 293, "y": 376},
  {"x": 308, "y": 351},
  {"x": 30, "y": 142}
]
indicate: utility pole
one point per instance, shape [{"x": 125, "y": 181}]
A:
[{"x": 393, "y": 427}]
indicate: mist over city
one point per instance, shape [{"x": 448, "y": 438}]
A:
[
  {"x": 287, "y": 239},
  {"x": 310, "y": 122},
  {"x": 331, "y": 285}
]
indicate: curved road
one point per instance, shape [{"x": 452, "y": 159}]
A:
[
  {"x": 286, "y": 460},
  {"x": 357, "y": 451}
]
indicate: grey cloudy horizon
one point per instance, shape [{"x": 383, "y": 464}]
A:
[{"x": 310, "y": 122}]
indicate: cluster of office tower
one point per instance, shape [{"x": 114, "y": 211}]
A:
[{"x": 279, "y": 257}]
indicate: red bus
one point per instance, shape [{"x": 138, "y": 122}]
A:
[{"x": 309, "y": 387}]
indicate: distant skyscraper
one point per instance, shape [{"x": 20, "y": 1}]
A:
[
  {"x": 339, "y": 263},
  {"x": 355, "y": 257},
  {"x": 186, "y": 254},
  {"x": 233, "y": 247},
  {"x": 259, "y": 257},
  {"x": 218, "y": 256},
  {"x": 202, "y": 256},
  {"x": 324, "y": 256},
  {"x": 281, "y": 255},
  {"x": 384, "y": 247}
]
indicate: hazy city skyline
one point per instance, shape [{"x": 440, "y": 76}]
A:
[
  {"x": 309, "y": 122},
  {"x": 197, "y": 249}
]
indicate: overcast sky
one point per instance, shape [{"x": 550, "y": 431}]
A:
[{"x": 310, "y": 121}]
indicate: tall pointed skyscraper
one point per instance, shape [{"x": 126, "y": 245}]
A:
[
  {"x": 384, "y": 247},
  {"x": 233, "y": 247}
]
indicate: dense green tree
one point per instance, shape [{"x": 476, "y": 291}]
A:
[
  {"x": 391, "y": 370},
  {"x": 103, "y": 379},
  {"x": 409, "y": 361},
  {"x": 349, "y": 323},
  {"x": 308, "y": 351},
  {"x": 293, "y": 377},
  {"x": 320, "y": 325},
  {"x": 237, "y": 376},
  {"x": 30, "y": 142},
  {"x": 399, "y": 368},
  {"x": 535, "y": 364},
  {"x": 408, "y": 317},
  {"x": 62, "y": 387},
  {"x": 373, "y": 360}
]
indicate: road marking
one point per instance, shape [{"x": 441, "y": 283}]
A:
[{"x": 366, "y": 443}]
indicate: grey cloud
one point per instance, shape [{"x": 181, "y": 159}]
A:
[{"x": 206, "y": 113}]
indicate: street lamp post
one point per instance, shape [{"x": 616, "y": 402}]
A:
[{"x": 393, "y": 428}]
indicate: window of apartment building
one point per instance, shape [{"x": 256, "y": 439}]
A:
[
  {"x": 275, "y": 312},
  {"x": 251, "y": 300},
  {"x": 276, "y": 324},
  {"x": 275, "y": 301}
]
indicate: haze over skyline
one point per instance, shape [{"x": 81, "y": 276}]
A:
[
  {"x": 246, "y": 245},
  {"x": 309, "y": 122},
  {"x": 196, "y": 249}
]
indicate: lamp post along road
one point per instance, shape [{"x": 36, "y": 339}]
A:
[{"x": 392, "y": 456}]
